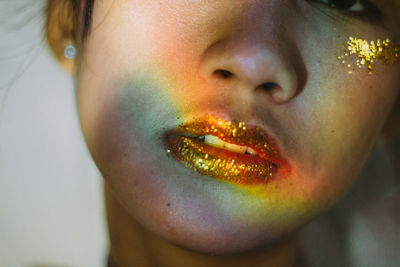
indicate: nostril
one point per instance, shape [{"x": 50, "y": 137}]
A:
[
  {"x": 223, "y": 73},
  {"x": 268, "y": 86}
]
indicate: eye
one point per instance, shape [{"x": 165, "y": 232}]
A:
[
  {"x": 361, "y": 9},
  {"x": 348, "y": 5}
]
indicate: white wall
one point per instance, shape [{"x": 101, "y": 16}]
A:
[{"x": 51, "y": 203}]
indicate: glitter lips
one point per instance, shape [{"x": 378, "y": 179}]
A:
[{"x": 230, "y": 151}]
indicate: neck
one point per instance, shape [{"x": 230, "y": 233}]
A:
[{"x": 132, "y": 245}]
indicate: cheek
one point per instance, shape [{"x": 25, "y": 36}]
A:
[
  {"x": 336, "y": 118},
  {"x": 344, "y": 118},
  {"x": 356, "y": 108}
]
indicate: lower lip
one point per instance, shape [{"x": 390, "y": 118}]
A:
[{"x": 220, "y": 163}]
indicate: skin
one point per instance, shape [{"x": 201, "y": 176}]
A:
[{"x": 149, "y": 65}]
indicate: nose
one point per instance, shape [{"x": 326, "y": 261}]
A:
[{"x": 257, "y": 55}]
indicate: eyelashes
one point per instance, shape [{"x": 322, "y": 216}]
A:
[
  {"x": 358, "y": 9},
  {"x": 349, "y": 5}
]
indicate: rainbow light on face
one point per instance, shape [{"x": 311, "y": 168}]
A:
[{"x": 368, "y": 52}]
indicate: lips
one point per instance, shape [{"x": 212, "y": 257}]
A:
[{"x": 230, "y": 151}]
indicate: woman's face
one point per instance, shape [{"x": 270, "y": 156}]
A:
[{"x": 150, "y": 67}]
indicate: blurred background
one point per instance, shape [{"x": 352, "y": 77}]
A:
[{"x": 51, "y": 201}]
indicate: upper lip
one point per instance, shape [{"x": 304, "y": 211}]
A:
[{"x": 234, "y": 132}]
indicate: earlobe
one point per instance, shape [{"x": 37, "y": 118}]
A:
[
  {"x": 60, "y": 32},
  {"x": 68, "y": 62}
]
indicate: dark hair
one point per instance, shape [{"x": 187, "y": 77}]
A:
[
  {"x": 82, "y": 16},
  {"x": 73, "y": 16},
  {"x": 87, "y": 17}
]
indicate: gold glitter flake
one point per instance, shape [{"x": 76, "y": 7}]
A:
[
  {"x": 196, "y": 155},
  {"x": 368, "y": 52},
  {"x": 231, "y": 132},
  {"x": 193, "y": 156}
]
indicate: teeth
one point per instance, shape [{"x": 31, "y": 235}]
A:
[
  {"x": 251, "y": 151},
  {"x": 216, "y": 142},
  {"x": 235, "y": 148}
]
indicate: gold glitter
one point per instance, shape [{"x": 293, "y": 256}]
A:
[
  {"x": 222, "y": 164},
  {"x": 192, "y": 154},
  {"x": 368, "y": 52},
  {"x": 232, "y": 132}
]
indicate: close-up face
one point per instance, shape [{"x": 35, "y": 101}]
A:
[{"x": 224, "y": 125}]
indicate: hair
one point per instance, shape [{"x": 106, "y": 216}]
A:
[
  {"x": 87, "y": 17},
  {"x": 76, "y": 13}
]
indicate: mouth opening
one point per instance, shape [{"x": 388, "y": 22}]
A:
[{"x": 215, "y": 141}]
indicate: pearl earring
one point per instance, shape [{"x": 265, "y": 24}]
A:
[{"x": 70, "y": 52}]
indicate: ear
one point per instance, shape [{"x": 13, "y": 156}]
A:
[{"x": 60, "y": 30}]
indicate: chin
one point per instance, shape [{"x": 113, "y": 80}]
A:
[{"x": 222, "y": 240}]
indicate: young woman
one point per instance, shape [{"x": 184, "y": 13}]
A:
[{"x": 222, "y": 127}]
